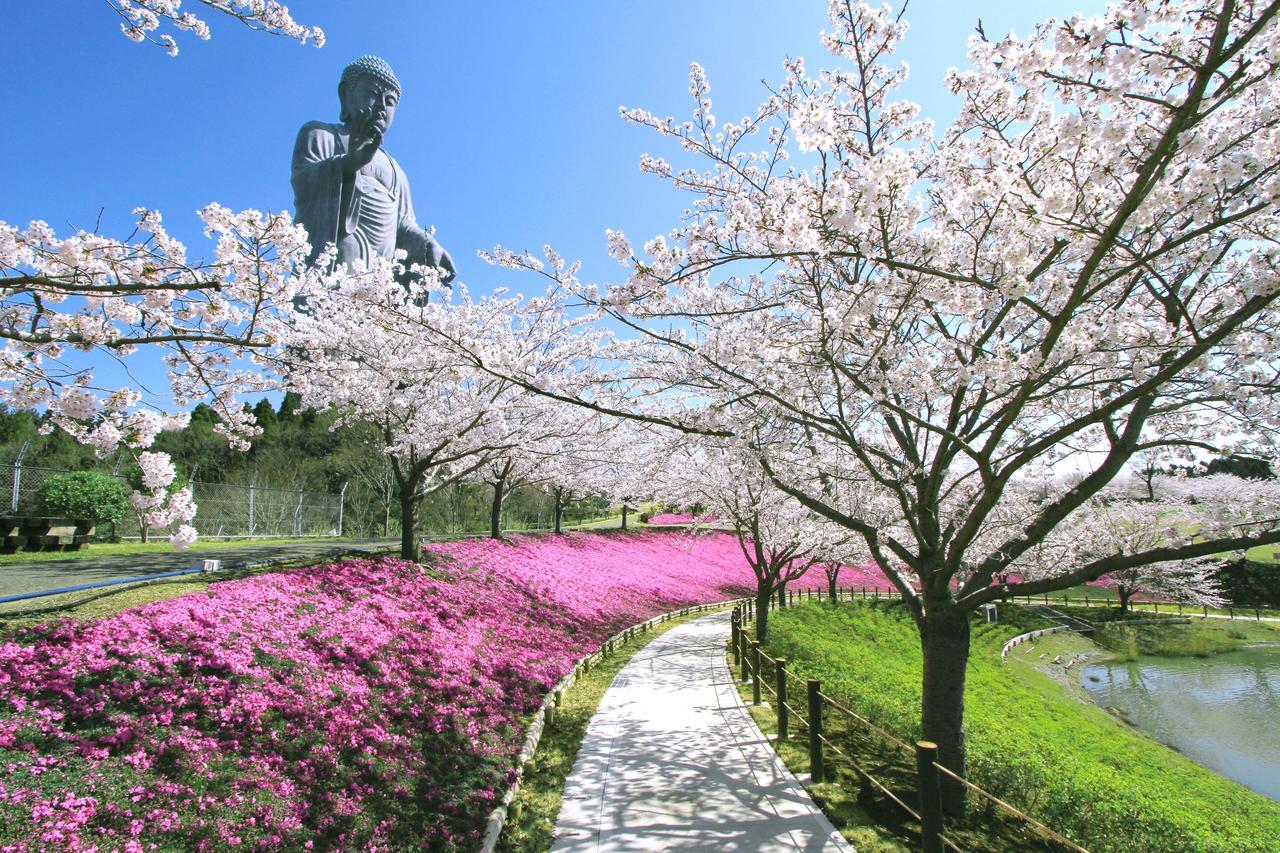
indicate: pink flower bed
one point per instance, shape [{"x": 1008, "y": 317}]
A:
[
  {"x": 371, "y": 704},
  {"x": 682, "y": 518}
]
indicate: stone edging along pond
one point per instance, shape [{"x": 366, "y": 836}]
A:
[
  {"x": 546, "y": 711},
  {"x": 1030, "y": 635}
]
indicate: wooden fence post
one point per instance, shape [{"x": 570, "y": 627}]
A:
[
  {"x": 755, "y": 672},
  {"x": 815, "y": 731},
  {"x": 930, "y": 797},
  {"x": 742, "y": 662},
  {"x": 733, "y": 636},
  {"x": 783, "y": 720}
]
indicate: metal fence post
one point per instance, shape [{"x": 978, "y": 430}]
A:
[
  {"x": 297, "y": 515},
  {"x": 783, "y": 721},
  {"x": 930, "y": 797},
  {"x": 342, "y": 503},
  {"x": 251, "y": 507},
  {"x": 816, "y": 774},
  {"x": 755, "y": 672},
  {"x": 17, "y": 480}
]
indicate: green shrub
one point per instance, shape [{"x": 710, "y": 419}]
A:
[{"x": 82, "y": 494}]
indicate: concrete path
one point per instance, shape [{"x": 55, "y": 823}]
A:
[
  {"x": 19, "y": 578},
  {"x": 673, "y": 761}
]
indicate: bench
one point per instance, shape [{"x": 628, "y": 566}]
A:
[{"x": 40, "y": 533}]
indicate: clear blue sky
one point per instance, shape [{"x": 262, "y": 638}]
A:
[{"x": 508, "y": 128}]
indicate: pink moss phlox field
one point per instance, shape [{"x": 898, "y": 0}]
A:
[{"x": 370, "y": 704}]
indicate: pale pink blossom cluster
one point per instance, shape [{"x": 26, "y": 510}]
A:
[
  {"x": 91, "y": 293},
  {"x": 141, "y": 20}
]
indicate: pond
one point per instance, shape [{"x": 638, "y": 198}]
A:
[{"x": 1222, "y": 712}]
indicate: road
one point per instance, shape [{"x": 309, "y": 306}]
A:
[{"x": 20, "y": 578}]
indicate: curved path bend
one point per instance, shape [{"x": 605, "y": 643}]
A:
[{"x": 673, "y": 761}]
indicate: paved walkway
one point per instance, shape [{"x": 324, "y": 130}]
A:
[
  {"x": 673, "y": 761},
  {"x": 18, "y": 578}
]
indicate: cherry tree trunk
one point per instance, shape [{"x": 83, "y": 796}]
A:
[
  {"x": 386, "y": 514},
  {"x": 831, "y": 587},
  {"x": 558, "y": 513},
  {"x": 762, "y": 614},
  {"x": 495, "y": 510},
  {"x": 1125, "y": 594},
  {"x": 944, "y": 640},
  {"x": 410, "y": 548},
  {"x": 624, "y": 516}
]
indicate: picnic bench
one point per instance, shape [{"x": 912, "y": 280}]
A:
[{"x": 41, "y": 533}]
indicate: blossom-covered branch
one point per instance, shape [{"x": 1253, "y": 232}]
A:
[{"x": 141, "y": 20}]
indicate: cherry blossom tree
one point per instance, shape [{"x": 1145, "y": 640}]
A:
[
  {"x": 1123, "y": 519},
  {"x": 355, "y": 352},
  {"x": 209, "y": 320},
  {"x": 780, "y": 539},
  {"x": 579, "y": 459},
  {"x": 1081, "y": 267},
  {"x": 535, "y": 430},
  {"x": 358, "y": 348}
]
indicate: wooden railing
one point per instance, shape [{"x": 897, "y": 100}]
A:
[{"x": 916, "y": 786}]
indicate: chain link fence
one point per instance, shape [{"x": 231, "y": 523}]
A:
[{"x": 223, "y": 509}]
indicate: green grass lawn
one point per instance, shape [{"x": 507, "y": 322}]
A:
[
  {"x": 99, "y": 605},
  {"x": 1030, "y": 741}
]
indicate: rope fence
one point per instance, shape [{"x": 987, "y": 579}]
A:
[{"x": 909, "y": 776}]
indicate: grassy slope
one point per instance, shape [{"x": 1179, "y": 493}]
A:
[{"x": 1076, "y": 768}]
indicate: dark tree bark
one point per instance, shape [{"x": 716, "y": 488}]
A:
[
  {"x": 832, "y": 578},
  {"x": 495, "y": 509},
  {"x": 944, "y": 641},
  {"x": 386, "y": 514},
  {"x": 408, "y": 480},
  {"x": 410, "y": 548},
  {"x": 558, "y": 497},
  {"x": 763, "y": 594},
  {"x": 782, "y": 595},
  {"x": 624, "y": 516},
  {"x": 1125, "y": 594}
]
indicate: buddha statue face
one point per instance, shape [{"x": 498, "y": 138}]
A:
[{"x": 365, "y": 95}]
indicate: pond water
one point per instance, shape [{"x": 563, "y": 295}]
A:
[{"x": 1222, "y": 712}]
